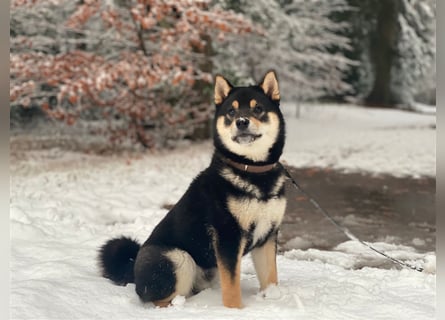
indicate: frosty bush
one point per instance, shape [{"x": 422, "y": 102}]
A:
[{"x": 137, "y": 65}]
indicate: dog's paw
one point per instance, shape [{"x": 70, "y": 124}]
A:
[
  {"x": 272, "y": 292},
  {"x": 178, "y": 301}
]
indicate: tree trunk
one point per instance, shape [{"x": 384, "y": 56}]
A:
[
  {"x": 203, "y": 87},
  {"x": 382, "y": 51}
]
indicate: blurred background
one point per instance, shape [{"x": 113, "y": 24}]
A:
[{"x": 138, "y": 74}]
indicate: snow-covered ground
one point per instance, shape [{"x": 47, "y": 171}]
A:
[
  {"x": 63, "y": 206},
  {"x": 345, "y": 137}
]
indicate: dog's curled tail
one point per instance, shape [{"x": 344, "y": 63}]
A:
[{"x": 116, "y": 259}]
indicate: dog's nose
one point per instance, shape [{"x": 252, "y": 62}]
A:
[{"x": 242, "y": 123}]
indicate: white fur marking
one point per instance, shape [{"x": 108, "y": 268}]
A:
[
  {"x": 185, "y": 270},
  {"x": 263, "y": 213},
  {"x": 278, "y": 185},
  {"x": 257, "y": 150},
  {"x": 189, "y": 276},
  {"x": 240, "y": 183}
]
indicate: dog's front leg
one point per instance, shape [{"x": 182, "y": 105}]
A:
[
  {"x": 228, "y": 258},
  {"x": 264, "y": 260}
]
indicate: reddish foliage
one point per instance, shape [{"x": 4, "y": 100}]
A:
[{"x": 141, "y": 71}]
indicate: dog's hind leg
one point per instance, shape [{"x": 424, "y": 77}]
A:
[{"x": 163, "y": 273}]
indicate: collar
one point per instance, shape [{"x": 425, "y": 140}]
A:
[{"x": 248, "y": 167}]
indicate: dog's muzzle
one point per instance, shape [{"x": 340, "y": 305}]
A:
[
  {"x": 243, "y": 134},
  {"x": 242, "y": 123}
]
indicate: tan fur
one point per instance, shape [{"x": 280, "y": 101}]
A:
[
  {"x": 165, "y": 302},
  {"x": 257, "y": 150},
  {"x": 231, "y": 286},
  {"x": 235, "y": 104},
  {"x": 222, "y": 89},
  {"x": 270, "y": 86},
  {"x": 189, "y": 276},
  {"x": 263, "y": 213},
  {"x": 255, "y": 122},
  {"x": 252, "y": 103},
  {"x": 186, "y": 271},
  {"x": 264, "y": 261}
]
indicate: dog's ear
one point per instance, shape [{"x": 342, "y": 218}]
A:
[
  {"x": 270, "y": 85},
  {"x": 222, "y": 89}
]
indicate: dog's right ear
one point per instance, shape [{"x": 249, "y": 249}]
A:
[{"x": 222, "y": 89}]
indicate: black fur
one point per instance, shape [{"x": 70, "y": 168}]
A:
[
  {"x": 116, "y": 259},
  {"x": 201, "y": 223},
  {"x": 156, "y": 274}
]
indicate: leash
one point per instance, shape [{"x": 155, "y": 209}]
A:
[{"x": 343, "y": 229}]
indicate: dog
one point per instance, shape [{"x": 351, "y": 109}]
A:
[{"x": 233, "y": 207}]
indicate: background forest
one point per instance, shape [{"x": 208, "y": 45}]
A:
[{"x": 141, "y": 71}]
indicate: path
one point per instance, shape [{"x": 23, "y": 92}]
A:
[{"x": 383, "y": 208}]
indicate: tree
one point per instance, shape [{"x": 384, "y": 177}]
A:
[
  {"x": 300, "y": 40},
  {"x": 394, "y": 41},
  {"x": 131, "y": 63},
  {"x": 414, "y": 71},
  {"x": 382, "y": 52}
]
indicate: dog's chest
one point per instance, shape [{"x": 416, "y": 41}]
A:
[
  {"x": 257, "y": 209},
  {"x": 257, "y": 217}
]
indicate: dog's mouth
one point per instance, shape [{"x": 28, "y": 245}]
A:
[{"x": 246, "y": 138}]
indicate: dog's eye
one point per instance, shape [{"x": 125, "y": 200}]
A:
[
  {"x": 258, "y": 109},
  {"x": 231, "y": 112}
]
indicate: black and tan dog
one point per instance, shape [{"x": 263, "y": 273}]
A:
[{"x": 233, "y": 207}]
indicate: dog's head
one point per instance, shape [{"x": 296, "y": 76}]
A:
[{"x": 249, "y": 126}]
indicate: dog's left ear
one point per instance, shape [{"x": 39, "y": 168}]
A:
[{"x": 270, "y": 85}]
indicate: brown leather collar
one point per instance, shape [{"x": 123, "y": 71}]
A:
[{"x": 248, "y": 167}]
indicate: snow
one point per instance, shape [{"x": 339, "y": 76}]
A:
[
  {"x": 380, "y": 141},
  {"x": 64, "y": 206},
  {"x": 424, "y": 108}
]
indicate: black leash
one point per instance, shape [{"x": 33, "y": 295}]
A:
[{"x": 344, "y": 229}]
